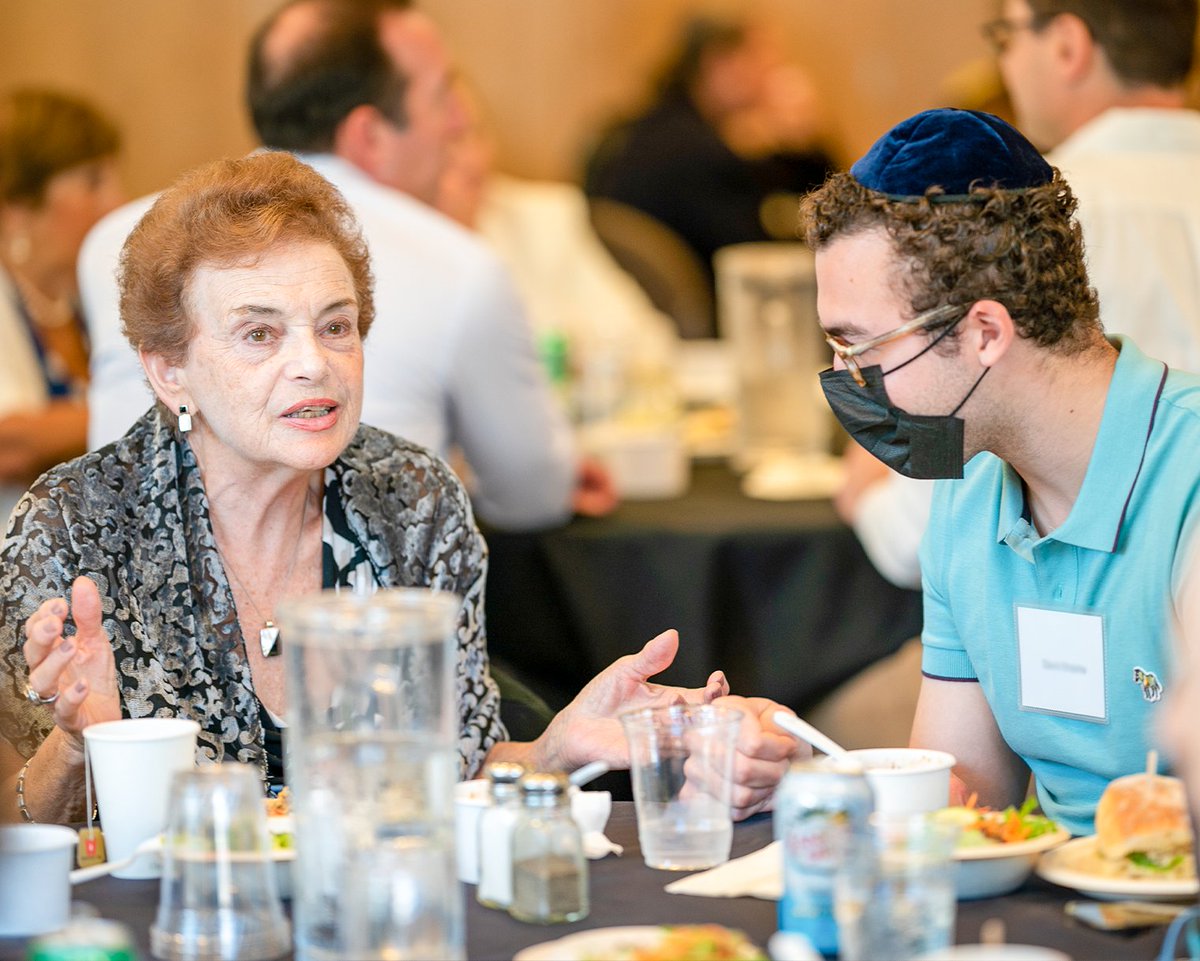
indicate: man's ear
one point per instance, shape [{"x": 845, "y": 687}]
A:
[
  {"x": 166, "y": 380},
  {"x": 990, "y": 331},
  {"x": 1074, "y": 48},
  {"x": 357, "y": 138}
]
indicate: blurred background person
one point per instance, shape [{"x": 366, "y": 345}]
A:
[
  {"x": 1102, "y": 85},
  {"x": 731, "y": 125},
  {"x": 58, "y": 176},
  {"x": 619, "y": 349}
]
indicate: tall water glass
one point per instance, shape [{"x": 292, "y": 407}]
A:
[
  {"x": 372, "y": 755},
  {"x": 894, "y": 896}
]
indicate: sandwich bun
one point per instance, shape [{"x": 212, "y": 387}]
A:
[{"x": 1144, "y": 813}]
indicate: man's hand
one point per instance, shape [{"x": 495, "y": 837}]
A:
[
  {"x": 595, "y": 493},
  {"x": 587, "y": 729},
  {"x": 764, "y": 753}
]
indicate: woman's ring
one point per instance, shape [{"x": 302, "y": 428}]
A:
[{"x": 35, "y": 698}]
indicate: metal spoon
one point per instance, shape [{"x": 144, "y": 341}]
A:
[{"x": 801, "y": 729}]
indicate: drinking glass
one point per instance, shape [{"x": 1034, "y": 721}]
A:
[
  {"x": 372, "y": 757},
  {"x": 682, "y": 770},
  {"x": 894, "y": 896},
  {"x": 218, "y": 900}
]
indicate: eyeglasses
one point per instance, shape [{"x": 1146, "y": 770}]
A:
[
  {"x": 999, "y": 32},
  {"x": 847, "y": 353},
  {"x": 1186, "y": 925}
]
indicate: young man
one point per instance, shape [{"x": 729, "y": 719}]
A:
[
  {"x": 952, "y": 288},
  {"x": 1099, "y": 83}
]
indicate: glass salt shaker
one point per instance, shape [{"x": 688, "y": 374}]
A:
[
  {"x": 550, "y": 881},
  {"x": 495, "y": 835}
]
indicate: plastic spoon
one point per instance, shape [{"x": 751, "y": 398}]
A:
[
  {"x": 149, "y": 846},
  {"x": 806, "y": 732},
  {"x": 587, "y": 773}
]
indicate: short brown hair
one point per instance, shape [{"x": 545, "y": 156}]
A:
[
  {"x": 1145, "y": 41},
  {"x": 1022, "y": 248},
  {"x": 43, "y": 133},
  {"x": 227, "y": 213}
]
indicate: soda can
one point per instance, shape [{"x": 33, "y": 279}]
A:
[
  {"x": 817, "y": 807},
  {"x": 86, "y": 939}
]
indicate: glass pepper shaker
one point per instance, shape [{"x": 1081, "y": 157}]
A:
[
  {"x": 495, "y": 835},
  {"x": 550, "y": 881}
]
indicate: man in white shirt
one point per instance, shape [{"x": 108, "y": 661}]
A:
[
  {"x": 1100, "y": 84},
  {"x": 363, "y": 92}
]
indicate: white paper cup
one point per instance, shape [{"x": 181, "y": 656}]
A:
[
  {"x": 907, "y": 780},
  {"x": 35, "y": 887},
  {"x": 132, "y": 763}
]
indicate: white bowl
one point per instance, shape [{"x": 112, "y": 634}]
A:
[
  {"x": 906, "y": 780},
  {"x": 989, "y": 870}
]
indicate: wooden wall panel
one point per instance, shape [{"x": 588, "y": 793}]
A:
[{"x": 550, "y": 71}]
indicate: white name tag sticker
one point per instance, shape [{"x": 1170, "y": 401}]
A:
[{"x": 1061, "y": 660}]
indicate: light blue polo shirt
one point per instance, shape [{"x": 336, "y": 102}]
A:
[{"x": 1120, "y": 553}]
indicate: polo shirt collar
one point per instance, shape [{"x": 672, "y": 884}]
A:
[{"x": 1098, "y": 514}]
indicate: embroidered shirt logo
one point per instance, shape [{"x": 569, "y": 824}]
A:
[{"x": 1151, "y": 686}]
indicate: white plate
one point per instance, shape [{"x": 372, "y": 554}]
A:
[
  {"x": 597, "y": 943},
  {"x": 1068, "y": 866}
]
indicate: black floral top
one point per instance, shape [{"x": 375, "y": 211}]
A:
[{"x": 133, "y": 516}]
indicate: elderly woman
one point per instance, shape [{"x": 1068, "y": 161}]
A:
[
  {"x": 247, "y": 292},
  {"x": 57, "y": 178}
]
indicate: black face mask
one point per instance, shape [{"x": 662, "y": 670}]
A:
[{"x": 927, "y": 447}]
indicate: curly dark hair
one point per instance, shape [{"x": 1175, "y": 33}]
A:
[{"x": 1022, "y": 248}]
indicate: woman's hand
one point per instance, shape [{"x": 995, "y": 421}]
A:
[
  {"x": 81, "y": 669},
  {"x": 587, "y": 729}
]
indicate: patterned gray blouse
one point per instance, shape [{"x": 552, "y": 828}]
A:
[{"x": 133, "y": 516}]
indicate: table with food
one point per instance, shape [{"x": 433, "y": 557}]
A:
[{"x": 1016, "y": 877}]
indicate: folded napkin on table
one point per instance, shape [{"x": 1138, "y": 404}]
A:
[{"x": 757, "y": 875}]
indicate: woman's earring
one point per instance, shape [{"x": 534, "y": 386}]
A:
[{"x": 185, "y": 419}]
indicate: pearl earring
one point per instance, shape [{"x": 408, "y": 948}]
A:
[{"x": 185, "y": 419}]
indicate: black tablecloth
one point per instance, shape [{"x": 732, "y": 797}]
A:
[
  {"x": 777, "y": 594},
  {"x": 625, "y": 892}
]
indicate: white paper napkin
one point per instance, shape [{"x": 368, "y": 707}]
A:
[
  {"x": 757, "y": 875},
  {"x": 590, "y": 810}
]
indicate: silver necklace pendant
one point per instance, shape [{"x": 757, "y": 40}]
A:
[{"x": 268, "y": 637}]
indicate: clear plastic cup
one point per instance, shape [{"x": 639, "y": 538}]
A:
[
  {"x": 681, "y": 763},
  {"x": 218, "y": 899},
  {"x": 894, "y": 895}
]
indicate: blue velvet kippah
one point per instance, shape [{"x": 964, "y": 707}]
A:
[{"x": 954, "y": 150}]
